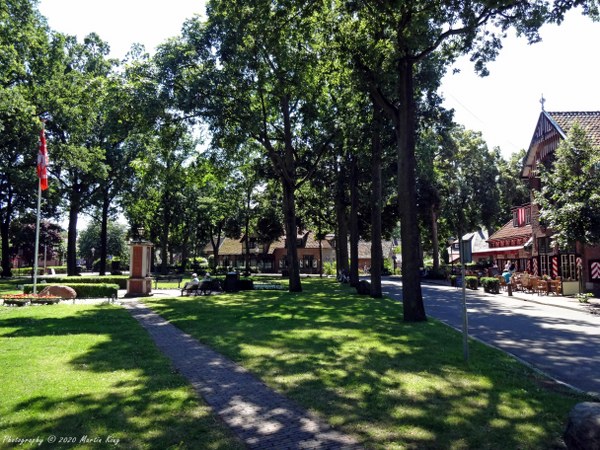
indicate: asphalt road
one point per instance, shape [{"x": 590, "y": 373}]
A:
[{"x": 562, "y": 343}]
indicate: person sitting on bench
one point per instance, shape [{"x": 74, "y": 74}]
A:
[
  {"x": 206, "y": 285},
  {"x": 191, "y": 285}
]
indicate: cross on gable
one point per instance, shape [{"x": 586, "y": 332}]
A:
[{"x": 542, "y": 101}]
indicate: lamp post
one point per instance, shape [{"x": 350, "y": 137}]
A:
[{"x": 93, "y": 252}]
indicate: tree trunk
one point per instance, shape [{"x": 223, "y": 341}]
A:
[
  {"x": 291, "y": 233},
  {"x": 376, "y": 205},
  {"x": 412, "y": 298},
  {"x": 354, "y": 221},
  {"x": 247, "y": 224},
  {"x": 72, "y": 232},
  {"x": 5, "y": 232},
  {"x": 341, "y": 239},
  {"x": 164, "y": 246},
  {"x": 434, "y": 240},
  {"x": 215, "y": 246},
  {"x": 104, "y": 231}
]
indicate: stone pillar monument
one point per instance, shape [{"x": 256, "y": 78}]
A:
[{"x": 140, "y": 258}]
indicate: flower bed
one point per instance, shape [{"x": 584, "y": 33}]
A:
[{"x": 24, "y": 299}]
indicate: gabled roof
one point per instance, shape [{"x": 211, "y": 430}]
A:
[
  {"x": 558, "y": 123},
  {"x": 364, "y": 249},
  {"x": 509, "y": 231}
]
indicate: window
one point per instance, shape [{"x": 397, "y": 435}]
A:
[
  {"x": 568, "y": 267},
  {"x": 543, "y": 245},
  {"x": 515, "y": 219},
  {"x": 528, "y": 216}
]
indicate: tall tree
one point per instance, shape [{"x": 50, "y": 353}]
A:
[
  {"x": 389, "y": 41},
  {"x": 23, "y": 52},
  {"x": 469, "y": 182},
  {"x": 256, "y": 73},
  {"x": 75, "y": 95}
]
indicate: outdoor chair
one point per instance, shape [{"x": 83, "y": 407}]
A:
[
  {"x": 555, "y": 287},
  {"x": 541, "y": 287},
  {"x": 502, "y": 282}
]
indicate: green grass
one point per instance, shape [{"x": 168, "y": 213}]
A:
[
  {"x": 394, "y": 385},
  {"x": 75, "y": 371},
  {"x": 10, "y": 285}
]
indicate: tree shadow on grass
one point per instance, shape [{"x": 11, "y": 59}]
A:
[
  {"x": 115, "y": 387},
  {"x": 393, "y": 384}
]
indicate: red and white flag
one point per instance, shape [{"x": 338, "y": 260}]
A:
[{"x": 42, "y": 162}]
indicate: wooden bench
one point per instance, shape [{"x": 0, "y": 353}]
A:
[
  {"x": 177, "y": 278},
  {"x": 201, "y": 288}
]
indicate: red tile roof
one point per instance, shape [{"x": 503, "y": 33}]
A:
[
  {"x": 588, "y": 120},
  {"x": 508, "y": 231}
]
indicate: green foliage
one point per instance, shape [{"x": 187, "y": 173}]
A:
[
  {"x": 471, "y": 282},
  {"x": 306, "y": 345},
  {"x": 328, "y": 268},
  {"x": 490, "y": 284},
  {"x": 120, "y": 280},
  {"x": 99, "y": 375},
  {"x": 469, "y": 191},
  {"x": 570, "y": 197},
  {"x": 116, "y": 241},
  {"x": 83, "y": 290}
]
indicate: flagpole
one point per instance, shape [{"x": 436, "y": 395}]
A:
[{"x": 37, "y": 237}]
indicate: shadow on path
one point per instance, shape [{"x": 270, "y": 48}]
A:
[{"x": 262, "y": 418}]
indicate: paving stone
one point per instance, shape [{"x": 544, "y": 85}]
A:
[{"x": 259, "y": 416}]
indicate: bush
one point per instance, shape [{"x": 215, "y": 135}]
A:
[
  {"x": 490, "y": 285},
  {"x": 329, "y": 268},
  {"x": 121, "y": 280},
  {"x": 83, "y": 290},
  {"x": 439, "y": 274},
  {"x": 471, "y": 282}
]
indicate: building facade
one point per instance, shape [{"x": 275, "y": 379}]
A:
[{"x": 577, "y": 262}]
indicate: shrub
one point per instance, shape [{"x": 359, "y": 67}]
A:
[
  {"x": 120, "y": 280},
  {"x": 490, "y": 285},
  {"x": 471, "y": 282},
  {"x": 329, "y": 268},
  {"x": 439, "y": 274},
  {"x": 83, "y": 290}
]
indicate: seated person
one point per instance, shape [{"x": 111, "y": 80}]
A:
[
  {"x": 206, "y": 285},
  {"x": 191, "y": 285}
]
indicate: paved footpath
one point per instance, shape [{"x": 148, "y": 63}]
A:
[{"x": 261, "y": 418}]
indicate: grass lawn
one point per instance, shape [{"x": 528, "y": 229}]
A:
[
  {"x": 392, "y": 384},
  {"x": 90, "y": 375},
  {"x": 11, "y": 285}
]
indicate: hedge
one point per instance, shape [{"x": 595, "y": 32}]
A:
[
  {"x": 120, "y": 280},
  {"x": 471, "y": 282},
  {"x": 83, "y": 290},
  {"x": 491, "y": 285}
]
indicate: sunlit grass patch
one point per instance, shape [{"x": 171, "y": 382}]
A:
[
  {"x": 393, "y": 384},
  {"x": 91, "y": 372}
]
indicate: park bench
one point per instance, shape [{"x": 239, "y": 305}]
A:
[
  {"x": 172, "y": 277},
  {"x": 202, "y": 288}
]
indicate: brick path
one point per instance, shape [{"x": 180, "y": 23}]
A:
[{"x": 262, "y": 418}]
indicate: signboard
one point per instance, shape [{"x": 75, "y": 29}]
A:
[{"x": 466, "y": 255}]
